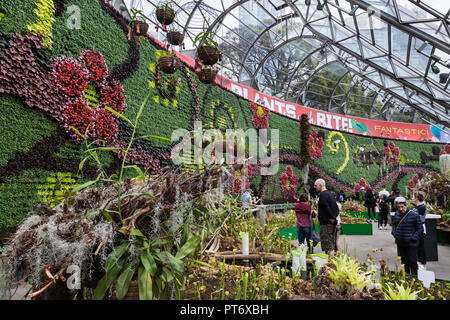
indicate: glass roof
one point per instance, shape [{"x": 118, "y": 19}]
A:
[{"x": 362, "y": 58}]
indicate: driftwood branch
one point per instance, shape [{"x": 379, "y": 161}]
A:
[{"x": 48, "y": 285}]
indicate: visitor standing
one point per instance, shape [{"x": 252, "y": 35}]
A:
[
  {"x": 395, "y": 193},
  {"x": 421, "y": 209},
  {"x": 327, "y": 213},
  {"x": 338, "y": 224},
  {"x": 341, "y": 196},
  {"x": 406, "y": 229},
  {"x": 383, "y": 212},
  {"x": 361, "y": 194},
  {"x": 246, "y": 198},
  {"x": 303, "y": 212},
  {"x": 370, "y": 203},
  {"x": 382, "y": 192}
]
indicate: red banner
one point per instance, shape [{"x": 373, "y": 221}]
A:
[{"x": 332, "y": 121}]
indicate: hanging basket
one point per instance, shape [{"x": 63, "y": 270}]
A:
[
  {"x": 208, "y": 55},
  {"x": 140, "y": 28},
  {"x": 175, "y": 38},
  {"x": 207, "y": 76},
  {"x": 165, "y": 16},
  {"x": 169, "y": 64}
]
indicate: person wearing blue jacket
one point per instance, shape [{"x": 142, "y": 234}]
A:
[{"x": 407, "y": 229}]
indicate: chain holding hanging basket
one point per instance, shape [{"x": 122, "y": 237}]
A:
[
  {"x": 175, "y": 38},
  {"x": 169, "y": 64},
  {"x": 207, "y": 75}
]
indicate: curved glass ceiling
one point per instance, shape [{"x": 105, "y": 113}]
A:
[{"x": 383, "y": 59}]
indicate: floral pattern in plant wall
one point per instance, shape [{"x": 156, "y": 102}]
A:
[
  {"x": 73, "y": 78},
  {"x": 316, "y": 144},
  {"x": 259, "y": 116},
  {"x": 391, "y": 153},
  {"x": 362, "y": 184},
  {"x": 412, "y": 183},
  {"x": 288, "y": 182},
  {"x": 240, "y": 177},
  {"x": 445, "y": 150}
]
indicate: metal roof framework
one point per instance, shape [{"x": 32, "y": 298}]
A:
[{"x": 395, "y": 52}]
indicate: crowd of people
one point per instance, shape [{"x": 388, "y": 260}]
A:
[{"x": 407, "y": 225}]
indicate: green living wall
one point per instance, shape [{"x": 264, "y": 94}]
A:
[{"x": 40, "y": 155}]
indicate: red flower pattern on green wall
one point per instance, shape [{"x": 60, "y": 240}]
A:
[
  {"x": 288, "y": 182},
  {"x": 72, "y": 77}
]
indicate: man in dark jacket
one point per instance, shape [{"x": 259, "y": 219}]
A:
[
  {"x": 328, "y": 212},
  {"x": 407, "y": 229}
]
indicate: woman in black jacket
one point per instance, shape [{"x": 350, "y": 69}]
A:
[{"x": 369, "y": 203}]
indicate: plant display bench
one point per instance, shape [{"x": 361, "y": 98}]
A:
[
  {"x": 431, "y": 250},
  {"x": 347, "y": 229}
]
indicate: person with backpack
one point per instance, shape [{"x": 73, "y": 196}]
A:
[{"x": 407, "y": 229}]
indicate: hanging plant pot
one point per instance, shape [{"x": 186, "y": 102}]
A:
[
  {"x": 165, "y": 16},
  {"x": 140, "y": 28},
  {"x": 207, "y": 76},
  {"x": 175, "y": 38},
  {"x": 209, "y": 55},
  {"x": 169, "y": 64}
]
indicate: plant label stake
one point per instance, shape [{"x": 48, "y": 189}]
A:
[{"x": 427, "y": 277}]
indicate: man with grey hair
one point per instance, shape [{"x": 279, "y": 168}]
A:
[
  {"x": 407, "y": 229},
  {"x": 328, "y": 212}
]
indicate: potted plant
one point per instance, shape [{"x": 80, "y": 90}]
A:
[
  {"x": 207, "y": 74},
  {"x": 207, "y": 50},
  {"x": 168, "y": 63},
  {"x": 175, "y": 37},
  {"x": 165, "y": 13}
]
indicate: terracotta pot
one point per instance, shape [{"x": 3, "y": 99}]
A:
[
  {"x": 207, "y": 76},
  {"x": 175, "y": 38},
  {"x": 140, "y": 28},
  {"x": 165, "y": 17},
  {"x": 169, "y": 64},
  {"x": 208, "y": 55}
]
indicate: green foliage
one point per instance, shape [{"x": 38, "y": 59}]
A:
[
  {"x": 20, "y": 127},
  {"x": 17, "y": 15},
  {"x": 401, "y": 291},
  {"x": 348, "y": 275},
  {"x": 156, "y": 268},
  {"x": 18, "y": 195},
  {"x": 44, "y": 12},
  {"x": 57, "y": 185},
  {"x": 98, "y": 31}
]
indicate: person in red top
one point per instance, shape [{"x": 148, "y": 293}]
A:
[{"x": 303, "y": 212}]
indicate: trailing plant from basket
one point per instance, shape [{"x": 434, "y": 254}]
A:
[
  {"x": 137, "y": 24},
  {"x": 151, "y": 262}
]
